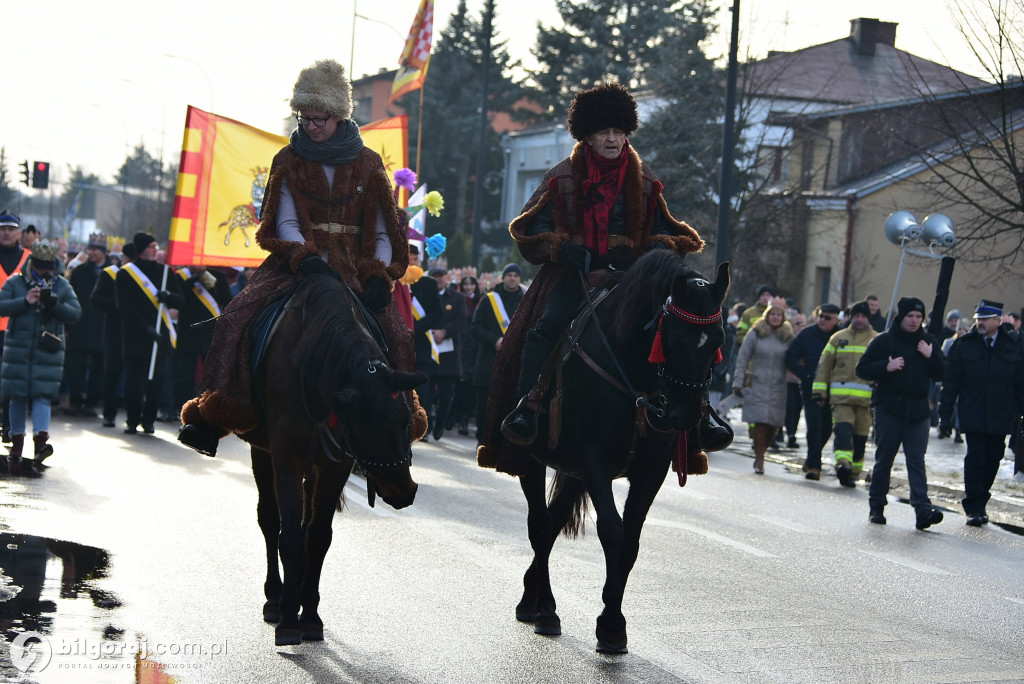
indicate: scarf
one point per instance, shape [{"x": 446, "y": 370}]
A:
[
  {"x": 600, "y": 190},
  {"x": 341, "y": 148}
]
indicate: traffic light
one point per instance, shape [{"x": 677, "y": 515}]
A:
[
  {"x": 26, "y": 175},
  {"x": 41, "y": 175}
]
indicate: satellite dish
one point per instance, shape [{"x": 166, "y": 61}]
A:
[
  {"x": 900, "y": 227},
  {"x": 937, "y": 229}
]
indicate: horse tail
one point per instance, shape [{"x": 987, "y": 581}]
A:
[{"x": 575, "y": 525}]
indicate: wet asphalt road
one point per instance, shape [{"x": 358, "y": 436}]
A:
[{"x": 740, "y": 578}]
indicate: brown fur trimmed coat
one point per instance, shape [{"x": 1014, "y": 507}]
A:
[
  {"x": 358, "y": 189},
  {"x": 562, "y": 187}
]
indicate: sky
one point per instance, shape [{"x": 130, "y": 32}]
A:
[{"x": 84, "y": 82}]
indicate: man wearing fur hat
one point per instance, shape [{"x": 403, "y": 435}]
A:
[
  {"x": 328, "y": 207},
  {"x": 986, "y": 374},
  {"x": 902, "y": 362},
  {"x": 142, "y": 287},
  {"x": 602, "y": 207},
  {"x": 836, "y": 382}
]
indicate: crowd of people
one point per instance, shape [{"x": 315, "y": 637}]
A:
[
  {"x": 91, "y": 333},
  {"x": 855, "y": 377}
]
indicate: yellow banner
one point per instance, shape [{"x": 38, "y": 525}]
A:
[{"x": 221, "y": 179}]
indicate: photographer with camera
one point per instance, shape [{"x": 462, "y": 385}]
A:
[{"x": 38, "y": 303}]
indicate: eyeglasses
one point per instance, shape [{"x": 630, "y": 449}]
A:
[
  {"x": 827, "y": 317},
  {"x": 306, "y": 120}
]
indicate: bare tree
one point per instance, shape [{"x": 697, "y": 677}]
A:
[{"x": 975, "y": 167}]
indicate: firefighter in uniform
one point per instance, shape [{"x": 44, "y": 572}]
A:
[{"x": 850, "y": 396}]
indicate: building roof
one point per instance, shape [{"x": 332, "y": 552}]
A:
[{"x": 862, "y": 68}]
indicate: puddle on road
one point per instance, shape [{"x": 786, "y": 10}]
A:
[{"x": 58, "y": 623}]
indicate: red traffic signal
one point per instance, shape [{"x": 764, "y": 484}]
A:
[{"x": 41, "y": 175}]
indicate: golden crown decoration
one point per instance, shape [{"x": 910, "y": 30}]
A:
[{"x": 44, "y": 250}]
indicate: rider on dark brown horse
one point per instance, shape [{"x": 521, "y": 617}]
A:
[
  {"x": 329, "y": 207},
  {"x": 601, "y": 198}
]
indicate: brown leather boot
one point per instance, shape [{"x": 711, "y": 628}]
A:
[
  {"x": 15, "y": 464},
  {"x": 42, "y": 449}
]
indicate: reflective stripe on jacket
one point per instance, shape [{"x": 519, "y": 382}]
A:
[{"x": 836, "y": 377}]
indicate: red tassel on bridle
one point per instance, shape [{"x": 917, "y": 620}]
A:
[
  {"x": 657, "y": 353},
  {"x": 718, "y": 356}
]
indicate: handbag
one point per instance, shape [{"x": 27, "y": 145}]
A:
[{"x": 50, "y": 342}]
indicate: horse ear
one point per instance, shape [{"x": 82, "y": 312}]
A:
[
  {"x": 402, "y": 381},
  {"x": 722, "y": 281}
]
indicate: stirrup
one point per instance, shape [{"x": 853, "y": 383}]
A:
[{"x": 520, "y": 426}]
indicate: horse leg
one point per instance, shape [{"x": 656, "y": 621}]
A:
[
  {"x": 270, "y": 524},
  {"x": 644, "y": 484},
  {"x": 329, "y": 481},
  {"x": 611, "y": 624},
  {"x": 292, "y": 548}
]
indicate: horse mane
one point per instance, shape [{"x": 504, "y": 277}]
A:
[
  {"x": 644, "y": 289},
  {"x": 333, "y": 349}
]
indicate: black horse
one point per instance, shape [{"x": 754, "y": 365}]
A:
[
  {"x": 330, "y": 401},
  {"x": 602, "y": 438}
]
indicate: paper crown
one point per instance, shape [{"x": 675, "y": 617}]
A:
[{"x": 44, "y": 250}]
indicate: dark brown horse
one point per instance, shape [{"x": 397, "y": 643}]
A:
[
  {"x": 600, "y": 440},
  {"x": 330, "y": 401}
]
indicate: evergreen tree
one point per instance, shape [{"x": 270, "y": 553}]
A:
[
  {"x": 451, "y": 125},
  {"x": 602, "y": 40},
  {"x": 681, "y": 132}
]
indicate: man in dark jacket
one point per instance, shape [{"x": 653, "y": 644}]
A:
[
  {"x": 85, "y": 338},
  {"x": 206, "y": 292},
  {"x": 426, "y": 312},
  {"x": 802, "y": 361},
  {"x": 986, "y": 372},
  {"x": 140, "y": 299},
  {"x": 448, "y": 338},
  {"x": 104, "y": 299},
  {"x": 490, "y": 323},
  {"x": 901, "y": 362}
]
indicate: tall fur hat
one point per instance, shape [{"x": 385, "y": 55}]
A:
[
  {"x": 323, "y": 87},
  {"x": 606, "y": 105}
]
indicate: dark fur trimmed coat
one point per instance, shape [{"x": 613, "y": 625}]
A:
[
  {"x": 359, "y": 188},
  {"x": 562, "y": 189}
]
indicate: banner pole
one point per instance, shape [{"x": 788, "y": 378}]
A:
[
  {"x": 419, "y": 126},
  {"x": 159, "y": 320}
]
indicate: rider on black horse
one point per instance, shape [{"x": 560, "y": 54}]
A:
[{"x": 600, "y": 208}]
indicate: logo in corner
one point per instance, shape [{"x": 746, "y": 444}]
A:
[{"x": 31, "y": 651}]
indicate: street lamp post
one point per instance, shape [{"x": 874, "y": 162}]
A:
[
  {"x": 199, "y": 66},
  {"x": 902, "y": 229}
]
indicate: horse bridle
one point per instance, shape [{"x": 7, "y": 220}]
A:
[{"x": 669, "y": 308}]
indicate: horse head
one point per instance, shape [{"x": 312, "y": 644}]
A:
[
  {"x": 375, "y": 418},
  {"x": 692, "y": 333}
]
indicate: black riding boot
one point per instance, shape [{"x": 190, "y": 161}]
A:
[
  {"x": 714, "y": 432},
  {"x": 520, "y": 426},
  {"x": 202, "y": 438}
]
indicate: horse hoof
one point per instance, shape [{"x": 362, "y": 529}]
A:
[
  {"x": 271, "y": 612},
  {"x": 612, "y": 643},
  {"x": 313, "y": 633},
  {"x": 288, "y": 637},
  {"x": 548, "y": 625}
]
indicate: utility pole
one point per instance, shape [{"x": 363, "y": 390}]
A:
[
  {"x": 723, "y": 237},
  {"x": 478, "y": 195}
]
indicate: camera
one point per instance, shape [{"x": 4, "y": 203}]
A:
[{"x": 45, "y": 295}]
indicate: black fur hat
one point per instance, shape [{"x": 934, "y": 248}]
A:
[{"x": 606, "y": 105}]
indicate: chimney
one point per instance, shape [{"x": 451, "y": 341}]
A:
[{"x": 867, "y": 33}]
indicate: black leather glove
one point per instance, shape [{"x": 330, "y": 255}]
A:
[
  {"x": 571, "y": 255},
  {"x": 152, "y": 333},
  {"x": 162, "y": 296},
  {"x": 945, "y": 430},
  {"x": 313, "y": 264},
  {"x": 376, "y": 293}
]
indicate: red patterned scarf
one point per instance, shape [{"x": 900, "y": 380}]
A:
[{"x": 600, "y": 190}]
